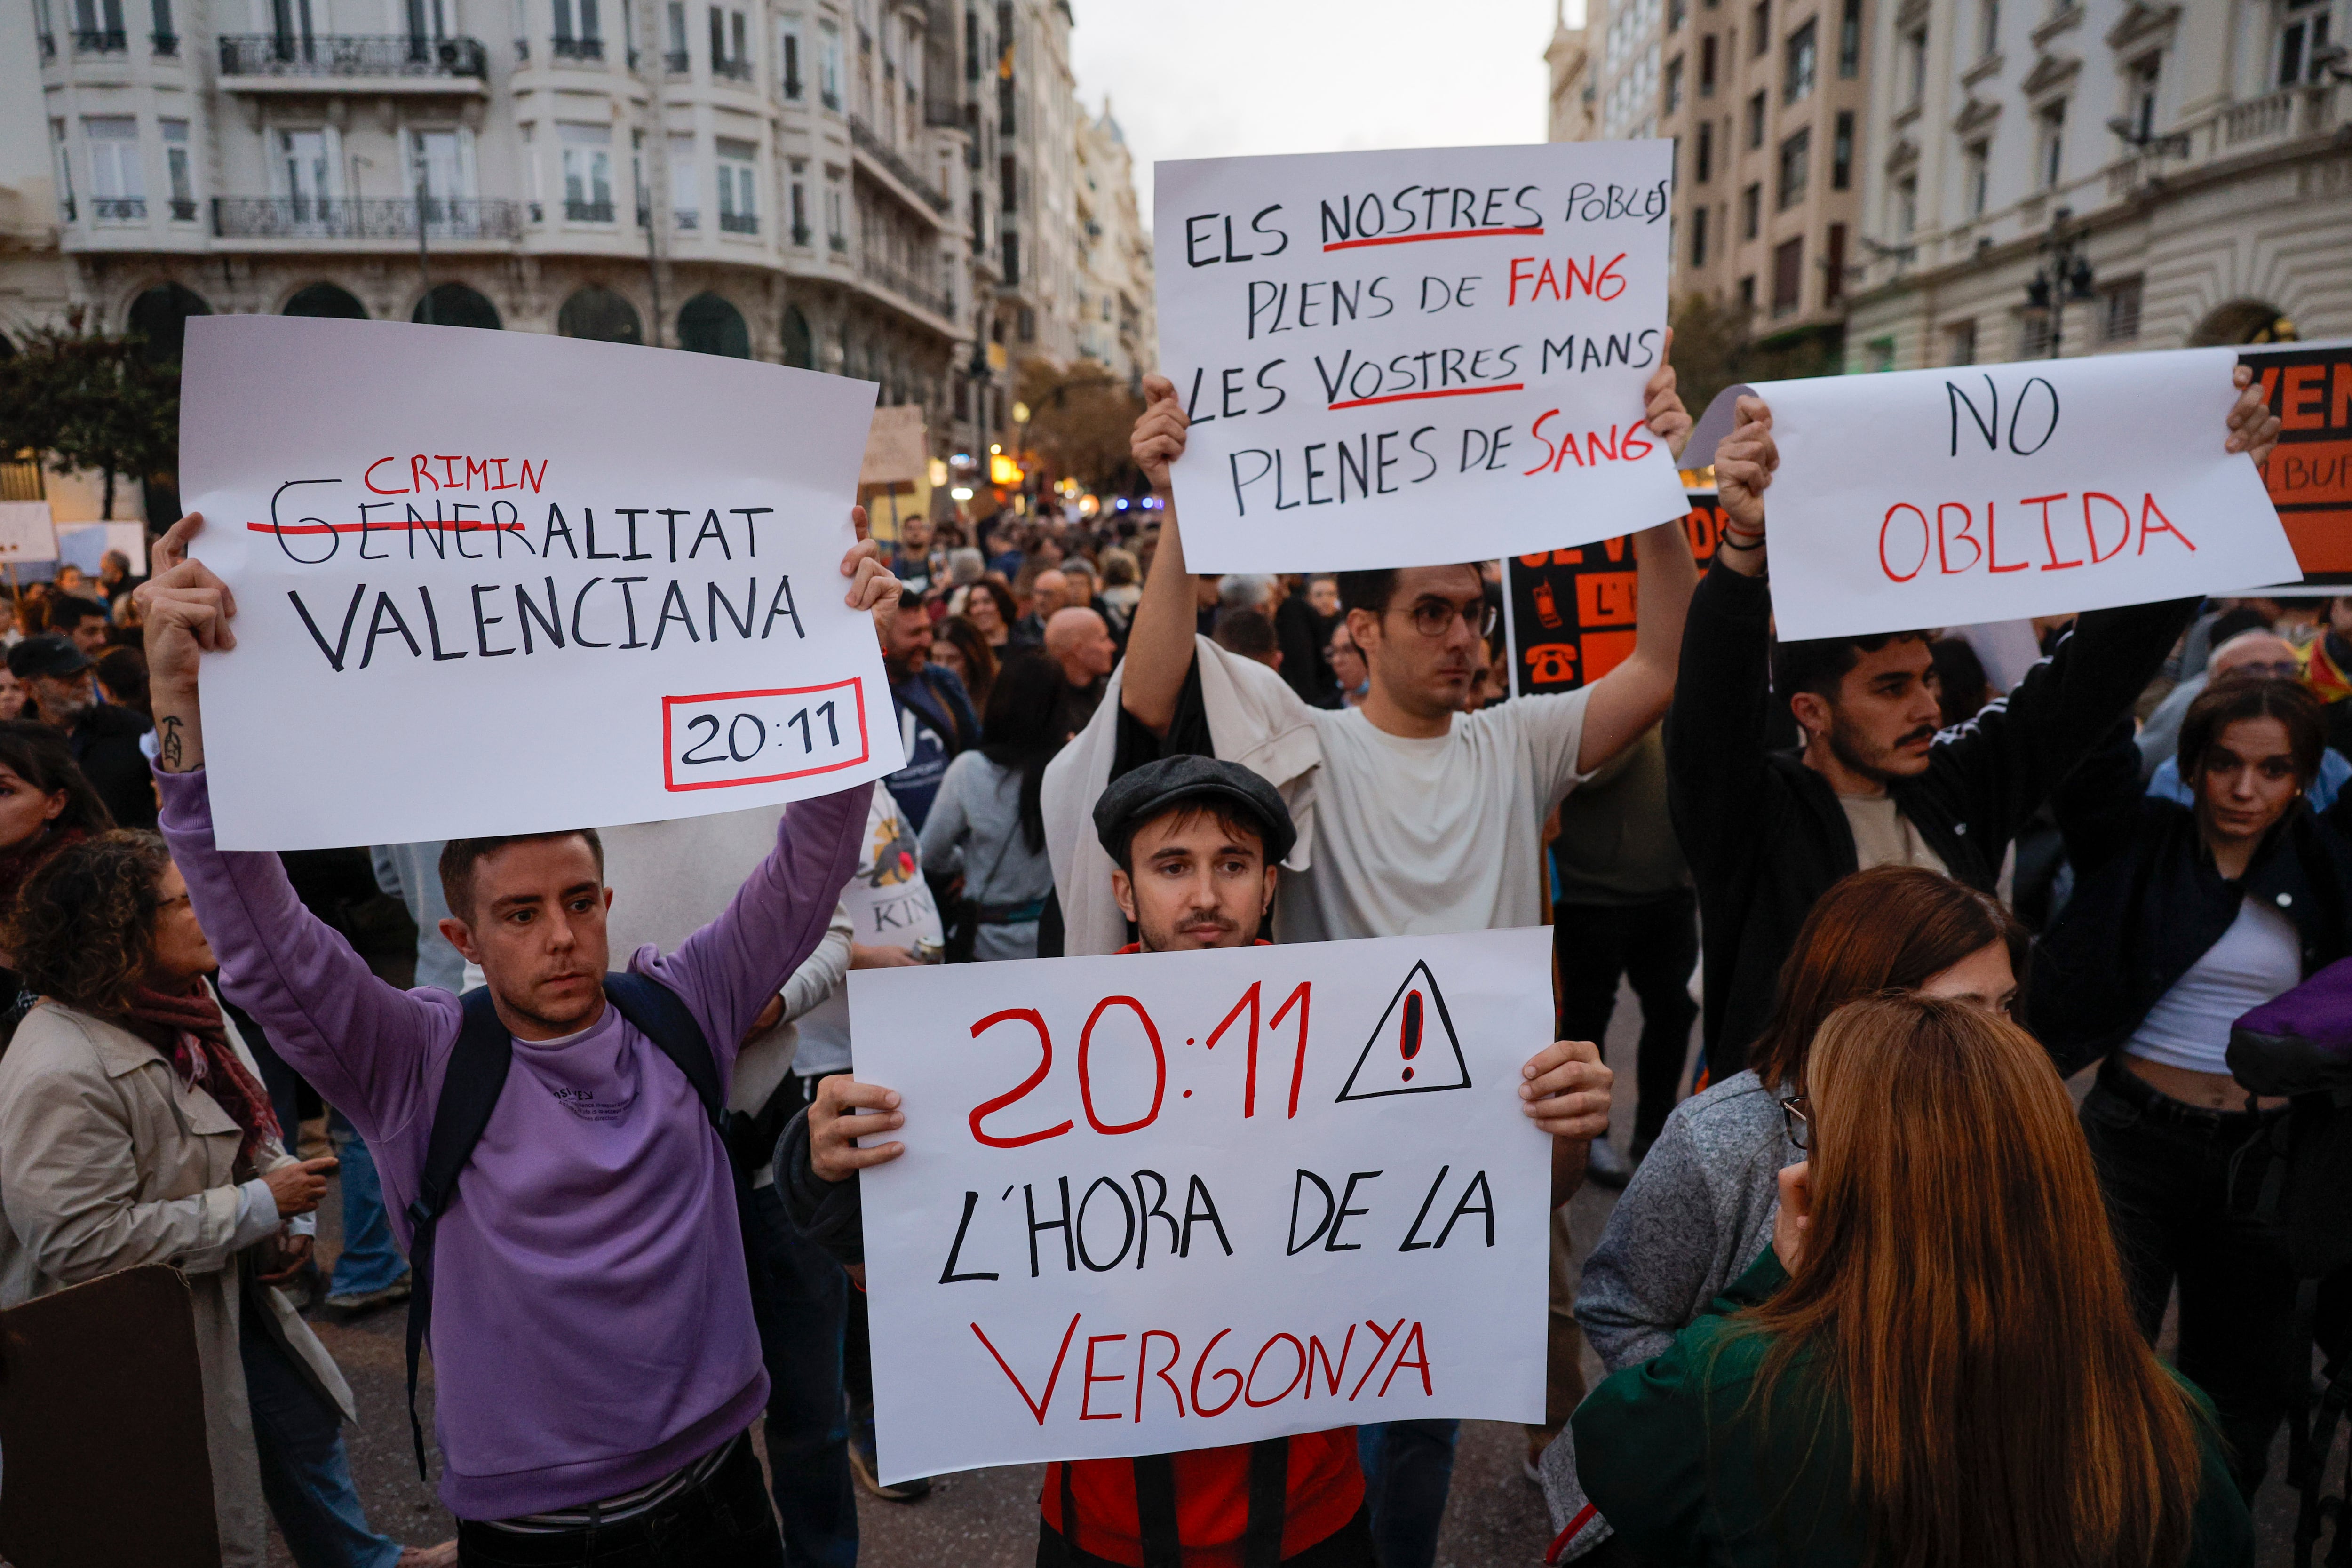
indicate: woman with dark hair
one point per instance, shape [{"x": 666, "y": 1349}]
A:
[
  {"x": 988, "y": 604},
  {"x": 957, "y": 644},
  {"x": 2183, "y": 919},
  {"x": 986, "y": 823},
  {"x": 134, "y": 1130},
  {"x": 1699, "y": 1209},
  {"x": 122, "y": 677},
  {"x": 45, "y": 806},
  {"x": 1934, "y": 1363}
]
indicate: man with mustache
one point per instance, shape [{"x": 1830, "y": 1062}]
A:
[{"x": 1874, "y": 783}]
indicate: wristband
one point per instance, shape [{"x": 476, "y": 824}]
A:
[{"x": 1759, "y": 544}]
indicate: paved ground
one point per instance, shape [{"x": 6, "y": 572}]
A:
[{"x": 987, "y": 1518}]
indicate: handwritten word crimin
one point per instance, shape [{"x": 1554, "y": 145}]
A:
[{"x": 414, "y": 475}]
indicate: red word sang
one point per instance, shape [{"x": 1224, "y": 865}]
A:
[{"x": 1626, "y": 444}]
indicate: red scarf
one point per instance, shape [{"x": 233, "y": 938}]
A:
[{"x": 191, "y": 1034}]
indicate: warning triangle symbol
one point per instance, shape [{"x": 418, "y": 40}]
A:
[{"x": 1413, "y": 1050}]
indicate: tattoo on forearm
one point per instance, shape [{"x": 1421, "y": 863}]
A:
[{"x": 169, "y": 744}]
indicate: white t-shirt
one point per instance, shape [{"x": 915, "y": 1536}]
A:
[
  {"x": 2258, "y": 957},
  {"x": 889, "y": 905},
  {"x": 1432, "y": 835},
  {"x": 1883, "y": 836}
]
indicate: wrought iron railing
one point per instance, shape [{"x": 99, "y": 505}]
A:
[
  {"x": 113, "y": 42},
  {"x": 740, "y": 223},
  {"x": 166, "y": 46},
  {"x": 276, "y": 54},
  {"x": 677, "y": 62},
  {"x": 576, "y": 49},
  {"x": 733, "y": 70},
  {"x": 368, "y": 217},
  {"x": 587, "y": 212},
  {"x": 897, "y": 282},
  {"x": 882, "y": 152},
  {"x": 120, "y": 209}
]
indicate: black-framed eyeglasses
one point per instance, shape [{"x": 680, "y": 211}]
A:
[
  {"x": 1435, "y": 617},
  {"x": 1799, "y": 1117}
]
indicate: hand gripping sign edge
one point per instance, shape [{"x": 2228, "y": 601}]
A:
[{"x": 1411, "y": 1032}]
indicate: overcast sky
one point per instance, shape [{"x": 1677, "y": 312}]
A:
[{"x": 1209, "y": 79}]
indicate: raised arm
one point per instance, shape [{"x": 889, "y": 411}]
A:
[{"x": 1160, "y": 639}]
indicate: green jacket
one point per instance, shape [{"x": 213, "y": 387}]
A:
[{"x": 1666, "y": 1455}]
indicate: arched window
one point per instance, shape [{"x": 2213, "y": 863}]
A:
[
  {"x": 708, "y": 324},
  {"x": 598, "y": 313},
  {"x": 800, "y": 344},
  {"x": 326, "y": 299},
  {"x": 160, "y": 316},
  {"x": 454, "y": 305}
]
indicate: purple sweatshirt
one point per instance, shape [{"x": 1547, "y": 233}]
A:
[{"x": 592, "y": 1319}]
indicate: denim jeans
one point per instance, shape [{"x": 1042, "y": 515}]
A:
[
  {"x": 723, "y": 1523},
  {"x": 1408, "y": 1471},
  {"x": 370, "y": 1260},
  {"x": 305, "y": 1474},
  {"x": 2164, "y": 1169},
  {"x": 799, "y": 1295}
]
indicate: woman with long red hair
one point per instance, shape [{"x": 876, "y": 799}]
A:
[{"x": 1935, "y": 1364}]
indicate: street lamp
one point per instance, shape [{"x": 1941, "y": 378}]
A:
[{"x": 2065, "y": 278}]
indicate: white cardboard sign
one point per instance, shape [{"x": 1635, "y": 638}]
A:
[
  {"x": 26, "y": 532},
  {"x": 504, "y": 582},
  {"x": 1164, "y": 1202},
  {"x": 1933, "y": 498},
  {"x": 1414, "y": 358}
]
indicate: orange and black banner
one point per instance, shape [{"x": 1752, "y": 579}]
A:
[
  {"x": 2310, "y": 474},
  {"x": 1570, "y": 613}
]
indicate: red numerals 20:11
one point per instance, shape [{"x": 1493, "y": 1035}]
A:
[{"x": 1251, "y": 1002}]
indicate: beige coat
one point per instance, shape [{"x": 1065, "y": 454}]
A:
[{"x": 108, "y": 1161}]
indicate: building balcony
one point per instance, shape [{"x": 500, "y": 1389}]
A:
[
  {"x": 119, "y": 209},
  {"x": 898, "y": 285},
  {"x": 731, "y": 70},
  {"x": 48, "y": 46},
  {"x": 165, "y": 45},
  {"x": 101, "y": 43},
  {"x": 832, "y": 100},
  {"x": 800, "y": 234},
  {"x": 267, "y": 62},
  {"x": 867, "y": 141},
  {"x": 838, "y": 243},
  {"x": 576, "y": 49},
  {"x": 588, "y": 212},
  {"x": 183, "y": 209},
  {"x": 367, "y": 219},
  {"x": 677, "y": 62},
  {"x": 684, "y": 220},
  {"x": 738, "y": 223}
]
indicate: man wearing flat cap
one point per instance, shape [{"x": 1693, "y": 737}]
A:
[
  {"x": 1196, "y": 846},
  {"x": 104, "y": 738}
]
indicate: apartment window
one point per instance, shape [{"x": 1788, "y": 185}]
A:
[
  {"x": 1833, "y": 266},
  {"x": 828, "y": 65},
  {"x": 1012, "y": 260},
  {"x": 1906, "y": 205},
  {"x": 1850, "y": 39},
  {"x": 2302, "y": 40},
  {"x": 1008, "y": 182},
  {"x": 2145, "y": 75},
  {"x": 1960, "y": 343},
  {"x": 1975, "y": 164},
  {"x": 1796, "y": 167},
  {"x": 1760, "y": 24},
  {"x": 115, "y": 181},
  {"x": 589, "y": 45},
  {"x": 2119, "y": 312},
  {"x": 1841, "y": 152},
  {"x": 307, "y": 171},
  {"x": 675, "y": 57},
  {"x": 788, "y": 55},
  {"x": 166, "y": 38},
  {"x": 685, "y": 184},
  {"x": 836, "y": 230},
  {"x": 729, "y": 51},
  {"x": 1706, "y": 66},
  {"x": 1748, "y": 296},
  {"x": 438, "y": 161},
  {"x": 1882, "y": 353},
  {"x": 64, "y": 169},
  {"x": 2033, "y": 334},
  {"x": 1756, "y": 106},
  {"x": 177, "y": 169},
  {"x": 97, "y": 27},
  {"x": 2052, "y": 158},
  {"x": 1698, "y": 238},
  {"x": 1987, "y": 28},
  {"x": 1677, "y": 10},
  {"x": 1788, "y": 276},
  {"x": 1797, "y": 64},
  {"x": 1706, "y": 170},
  {"x": 1915, "y": 67},
  {"x": 1751, "y": 211},
  {"x": 738, "y": 168},
  {"x": 587, "y": 172},
  {"x": 799, "y": 208},
  {"x": 1673, "y": 84}
]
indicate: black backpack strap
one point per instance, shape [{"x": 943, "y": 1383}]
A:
[
  {"x": 662, "y": 1016},
  {"x": 1158, "y": 1526},
  {"x": 469, "y": 1092},
  {"x": 1269, "y": 1498}
]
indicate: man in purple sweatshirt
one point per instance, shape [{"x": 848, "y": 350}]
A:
[{"x": 596, "y": 1362}]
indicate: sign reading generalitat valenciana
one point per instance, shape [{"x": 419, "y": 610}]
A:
[
  {"x": 1403, "y": 359},
  {"x": 1168, "y": 1201},
  {"x": 501, "y": 581}
]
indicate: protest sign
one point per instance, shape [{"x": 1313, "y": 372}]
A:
[
  {"x": 26, "y": 532},
  {"x": 1189, "y": 1199},
  {"x": 1996, "y": 492},
  {"x": 2309, "y": 474},
  {"x": 503, "y": 582},
  {"x": 1569, "y": 615},
  {"x": 1414, "y": 358}
]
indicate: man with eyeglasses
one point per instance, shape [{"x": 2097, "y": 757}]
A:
[{"x": 1413, "y": 815}]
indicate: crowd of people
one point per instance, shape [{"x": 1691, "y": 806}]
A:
[{"x": 1874, "y": 1290}]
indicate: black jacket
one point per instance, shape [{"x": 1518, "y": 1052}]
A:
[
  {"x": 1764, "y": 834},
  {"x": 106, "y": 743},
  {"x": 2149, "y": 902}
]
